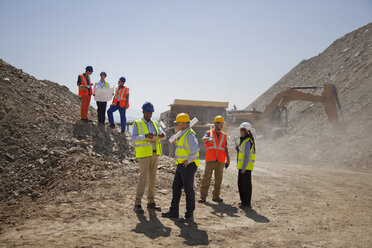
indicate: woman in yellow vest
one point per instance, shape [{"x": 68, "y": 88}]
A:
[
  {"x": 187, "y": 159},
  {"x": 246, "y": 149}
]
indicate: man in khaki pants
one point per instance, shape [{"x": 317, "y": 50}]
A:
[
  {"x": 146, "y": 135},
  {"x": 216, "y": 156}
]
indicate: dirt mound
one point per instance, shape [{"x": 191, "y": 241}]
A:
[
  {"x": 347, "y": 63},
  {"x": 43, "y": 143}
]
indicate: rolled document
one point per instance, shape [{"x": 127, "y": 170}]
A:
[
  {"x": 178, "y": 134},
  {"x": 211, "y": 131},
  {"x": 162, "y": 124}
]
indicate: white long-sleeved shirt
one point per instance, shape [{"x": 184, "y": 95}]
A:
[{"x": 100, "y": 85}]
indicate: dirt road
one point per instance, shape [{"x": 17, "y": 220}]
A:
[{"x": 293, "y": 206}]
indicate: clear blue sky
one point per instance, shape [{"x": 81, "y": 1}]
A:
[{"x": 197, "y": 49}]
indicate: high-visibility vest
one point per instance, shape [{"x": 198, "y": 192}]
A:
[
  {"x": 241, "y": 155},
  {"x": 105, "y": 85},
  {"x": 144, "y": 148},
  {"x": 84, "y": 82},
  {"x": 183, "y": 149},
  {"x": 121, "y": 95},
  {"x": 216, "y": 150}
]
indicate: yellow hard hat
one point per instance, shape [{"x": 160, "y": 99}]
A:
[
  {"x": 182, "y": 117},
  {"x": 219, "y": 118}
]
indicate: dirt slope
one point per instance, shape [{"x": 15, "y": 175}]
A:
[{"x": 347, "y": 63}]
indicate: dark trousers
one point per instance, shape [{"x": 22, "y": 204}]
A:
[
  {"x": 245, "y": 187},
  {"x": 101, "y": 111},
  {"x": 184, "y": 178}
]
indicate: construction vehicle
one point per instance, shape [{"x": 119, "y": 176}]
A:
[
  {"x": 273, "y": 120},
  {"x": 204, "y": 111}
]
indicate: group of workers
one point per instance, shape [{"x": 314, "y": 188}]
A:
[
  {"x": 120, "y": 100},
  {"x": 146, "y": 136}
]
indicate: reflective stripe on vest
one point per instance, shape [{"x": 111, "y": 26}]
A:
[
  {"x": 241, "y": 155},
  {"x": 84, "y": 82},
  {"x": 121, "y": 95},
  {"x": 183, "y": 149},
  {"x": 144, "y": 148},
  {"x": 216, "y": 151}
]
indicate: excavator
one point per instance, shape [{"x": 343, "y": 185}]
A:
[{"x": 273, "y": 120}]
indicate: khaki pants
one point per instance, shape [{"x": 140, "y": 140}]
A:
[
  {"x": 217, "y": 167},
  {"x": 148, "y": 167}
]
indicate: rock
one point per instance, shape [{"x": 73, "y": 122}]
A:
[{"x": 10, "y": 156}]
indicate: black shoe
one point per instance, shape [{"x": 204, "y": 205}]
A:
[
  {"x": 87, "y": 120},
  {"x": 122, "y": 131},
  {"x": 112, "y": 125},
  {"x": 153, "y": 206},
  {"x": 241, "y": 205},
  {"x": 84, "y": 120},
  {"x": 217, "y": 199},
  {"x": 187, "y": 218},
  {"x": 138, "y": 209},
  {"x": 169, "y": 214},
  {"x": 202, "y": 200}
]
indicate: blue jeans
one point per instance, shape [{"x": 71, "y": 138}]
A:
[
  {"x": 184, "y": 178},
  {"x": 123, "y": 119}
]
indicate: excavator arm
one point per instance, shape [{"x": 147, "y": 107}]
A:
[{"x": 329, "y": 99}]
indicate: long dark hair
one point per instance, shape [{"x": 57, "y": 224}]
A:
[{"x": 250, "y": 135}]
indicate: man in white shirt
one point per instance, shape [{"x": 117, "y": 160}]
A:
[{"x": 101, "y": 106}]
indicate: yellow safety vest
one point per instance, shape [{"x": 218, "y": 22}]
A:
[
  {"x": 241, "y": 155},
  {"x": 183, "y": 149},
  {"x": 144, "y": 148}
]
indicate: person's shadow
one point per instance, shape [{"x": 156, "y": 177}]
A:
[
  {"x": 192, "y": 234},
  {"x": 152, "y": 228},
  {"x": 252, "y": 214},
  {"x": 222, "y": 208}
]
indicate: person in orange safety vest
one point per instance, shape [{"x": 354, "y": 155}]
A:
[
  {"x": 217, "y": 156},
  {"x": 121, "y": 103},
  {"x": 85, "y": 92}
]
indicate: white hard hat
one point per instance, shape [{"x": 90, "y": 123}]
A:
[{"x": 246, "y": 125}]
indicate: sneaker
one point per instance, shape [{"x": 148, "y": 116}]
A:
[
  {"x": 217, "y": 199},
  {"x": 112, "y": 125},
  {"x": 202, "y": 200},
  {"x": 138, "y": 209},
  {"x": 153, "y": 206},
  {"x": 169, "y": 214}
]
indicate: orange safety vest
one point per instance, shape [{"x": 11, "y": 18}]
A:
[
  {"x": 122, "y": 95},
  {"x": 85, "y": 83},
  {"x": 216, "y": 151}
]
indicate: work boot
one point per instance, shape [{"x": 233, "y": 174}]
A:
[
  {"x": 187, "y": 218},
  {"x": 170, "y": 214},
  {"x": 244, "y": 206},
  {"x": 138, "y": 209},
  {"x": 218, "y": 199},
  {"x": 202, "y": 200},
  {"x": 153, "y": 206},
  {"x": 112, "y": 125}
]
